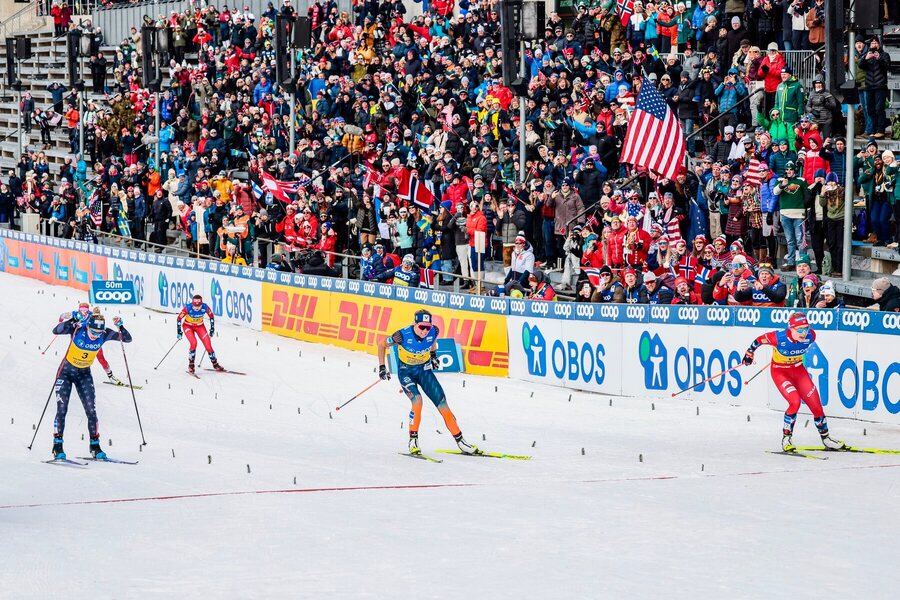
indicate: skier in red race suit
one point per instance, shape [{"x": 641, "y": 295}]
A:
[
  {"x": 791, "y": 377},
  {"x": 192, "y": 315}
]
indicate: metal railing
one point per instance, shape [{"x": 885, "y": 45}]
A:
[
  {"x": 22, "y": 21},
  {"x": 799, "y": 60},
  {"x": 53, "y": 228}
]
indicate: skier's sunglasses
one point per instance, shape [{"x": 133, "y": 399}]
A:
[{"x": 802, "y": 330}]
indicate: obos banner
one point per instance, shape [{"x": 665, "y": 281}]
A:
[
  {"x": 359, "y": 321},
  {"x": 169, "y": 288}
]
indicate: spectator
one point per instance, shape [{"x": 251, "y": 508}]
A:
[
  {"x": 876, "y": 63},
  {"x": 886, "y": 295}
]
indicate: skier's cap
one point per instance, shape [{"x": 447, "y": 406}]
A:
[
  {"x": 423, "y": 316},
  {"x": 797, "y": 321}
]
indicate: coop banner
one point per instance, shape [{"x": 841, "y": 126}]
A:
[{"x": 358, "y": 321}]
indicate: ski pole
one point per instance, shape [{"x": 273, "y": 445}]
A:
[
  {"x": 365, "y": 389},
  {"x": 131, "y": 385},
  {"x": 758, "y": 373},
  {"x": 708, "y": 379},
  {"x": 167, "y": 354},
  {"x": 44, "y": 351},
  {"x": 46, "y": 404},
  {"x": 202, "y": 356}
]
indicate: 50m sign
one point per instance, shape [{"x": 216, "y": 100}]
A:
[{"x": 113, "y": 292}]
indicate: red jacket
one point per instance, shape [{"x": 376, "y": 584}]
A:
[
  {"x": 443, "y": 7},
  {"x": 637, "y": 242},
  {"x": 476, "y": 222},
  {"x": 725, "y": 291},
  {"x": 770, "y": 72},
  {"x": 616, "y": 248}
]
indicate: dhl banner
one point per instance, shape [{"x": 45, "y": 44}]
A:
[{"x": 358, "y": 322}]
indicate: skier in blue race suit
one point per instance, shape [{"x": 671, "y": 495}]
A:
[
  {"x": 88, "y": 336},
  {"x": 416, "y": 361}
]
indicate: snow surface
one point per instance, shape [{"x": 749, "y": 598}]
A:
[{"x": 330, "y": 510}]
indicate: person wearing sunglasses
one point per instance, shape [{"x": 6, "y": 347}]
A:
[
  {"x": 416, "y": 361},
  {"x": 89, "y": 333},
  {"x": 792, "y": 379}
]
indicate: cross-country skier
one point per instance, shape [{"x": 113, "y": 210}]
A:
[
  {"x": 88, "y": 336},
  {"x": 192, "y": 314},
  {"x": 791, "y": 377},
  {"x": 417, "y": 357},
  {"x": 83, "y": 313}
]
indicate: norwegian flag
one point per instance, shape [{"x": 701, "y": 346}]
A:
[
  {"x": 279, "y": 189},
  {"x": 426, "y": 278},
  {"x": 753, "y": 174},
  {"x": 95, "y": 208},
  {"x": 655, "y": 139},
  {"x": 420, "y": 194},
  {"x": 625, "y": 8},
  {"x": 593, "y": 275}
]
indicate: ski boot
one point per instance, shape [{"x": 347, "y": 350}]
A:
[
  {"x": 832, "y": 444},
  {"x": 464, "y": 446},
  {"x": 414, "y": 444},
  {"x": 787, "y": 444},
  {"x": 217, "y": 366},
  {"x": 191, "y": 366},
  {"x": 113, "y": 379},
  {"x": 58, "y": 452},
  {"x": 96, "y": 451}
]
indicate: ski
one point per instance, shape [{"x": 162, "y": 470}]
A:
[
  {"x": 225, "y": 371},
  {"x": 487, "y": 454},
  {"x": 849, "y": 449},
  {"x": 108, "y": 460},
  {"x": 121, "y": 384},
  {"x": 420, "y": 457},
  {"x": 194, "y": 375},
  {"x": 64, "y": 462},
  {"x": 797, "y": 454}
]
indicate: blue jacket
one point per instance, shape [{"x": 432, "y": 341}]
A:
[
  {"x": 768, "y": 201},
  {"x": 166, "y": 135},
  {"x": 729, "y": 95}
]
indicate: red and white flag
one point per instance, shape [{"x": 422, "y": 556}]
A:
[
  {"x": 625, "y": 8},
  {"x": 279, "y": 189},
  {"x": 654, "y": 139},
  {"x": 753, "y": 174}
]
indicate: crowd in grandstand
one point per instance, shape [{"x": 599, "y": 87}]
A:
[{"x": 384, "y": 99}]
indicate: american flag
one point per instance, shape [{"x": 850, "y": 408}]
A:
[
  {"x": 625, "y": 8},
  {"x": 654, "y": 139},
  {"x": 95, "y": 208},
  {"x": 753, "y": 174}
]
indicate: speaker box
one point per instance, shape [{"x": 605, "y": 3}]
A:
[
  {"x": 868, "y": 14},
  {"x": 302, "y": 33},
  {"x": 23, "y": 48},
  {"x": 73, "y": 42},
  {"x": 10, "y": 61}
]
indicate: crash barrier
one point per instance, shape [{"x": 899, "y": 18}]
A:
[{"x": 645, "y": 351}]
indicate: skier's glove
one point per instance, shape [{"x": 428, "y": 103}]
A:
[
  {"x": 435, "y": 361},
  {"x": 383, "y": 373},
  {"x": 212, "y": 328},
  {"x": 118, "y": 322},
  {"x": 748, "y": 357},
  {"x": 180, "y": 333}
]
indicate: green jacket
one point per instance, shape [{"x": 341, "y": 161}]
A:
[
  {"x": 789, "y": 99},
  {"x": 893, "y": 173},
  {"x": 791, "y": 193},
  {"x": 832, "y": 203},
  {"x": 778, "y": 129},
  {"x": 866, "y": 180}
]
